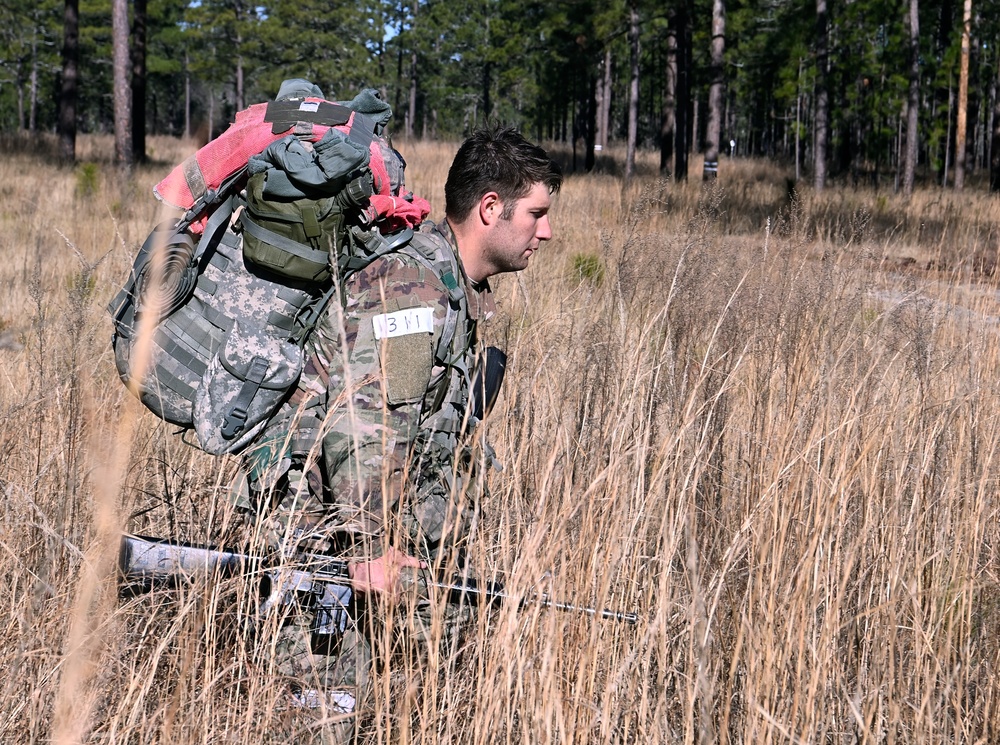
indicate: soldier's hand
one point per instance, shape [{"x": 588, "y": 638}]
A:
[{"x": 381, "y": 575}]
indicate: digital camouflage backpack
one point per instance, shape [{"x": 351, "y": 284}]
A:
[{"x": 291, "y": 200}]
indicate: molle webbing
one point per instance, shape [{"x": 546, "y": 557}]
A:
[{"x": 226, "y": 291}]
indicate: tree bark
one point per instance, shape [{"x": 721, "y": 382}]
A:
[
  {"x": 187, "y": 95},
  {"x": 590, "y": 160},
  {"x": 33, "y": 81},
  {"x": 240, "y": 100},
  {"x": 668, "y": 118},
  {"x": 605, "y": 113},
  {"x": 947, "y": 137},
  {"x": 717, "y": 73},
  {"x": 122, "y": 89},
  {"x": 411, "y": 111},
  {"x": 683, "y": 138},
  {"x": 913, "y": 101},
  {"x": 695, "y": 139},
  {"x": 961, "y": 123},
  {"x": 487, "y": 76},
  {"x": 602, "y": 103},
  {"x": 70, "y": 79},
  {"x": 633, "y": 96},
  {"x": 798, "y": 124},
  {"x": 139, "y": 81},
  {"x": 995, "y": 141},
  {"x": 239, "y": 73},
  {"x": 822, "y": 97}
]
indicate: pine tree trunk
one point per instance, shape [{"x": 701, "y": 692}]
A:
[
  {"x": 139, "y": 81},
  {"x": 240, "y": 95},
  {"x": 822, "y": 97},
  {"x": 633, "y": 96},
  {"x": 239, "y": 89},
  {"x": 122, "y": 89},
  {"x": 70, "y": 79},
  {"x": 695, "y": 139},
  {"x": 668, "y": 119},
  {"x": 913, "y": 101},
  {"x": 717, "y": 73},
  {"x": 947, "y": 137},
  {"x": 33, "y": 79},
  {"x": 961, "y": 123},
  {"x": 602, "y": 102},
  {"x": 605, "y": 113},
  {"x": 683, "y": 138},
  {"x": 798, "y": 124},
  {"x": 590, "y": 159},
  {"x": 187, "y": 95},
  {"x": 411, "y": 110},
  {"x": 995, "y": 141},
  {"x": 20, "y": 106}
]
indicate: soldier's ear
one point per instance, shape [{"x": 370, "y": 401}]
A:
[{"x": 490, "y": 208}]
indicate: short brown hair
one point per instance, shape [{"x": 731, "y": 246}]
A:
[{"x": 496, "y": 158}]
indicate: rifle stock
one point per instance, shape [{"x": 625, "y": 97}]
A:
[{"x": 145, "y": 563}]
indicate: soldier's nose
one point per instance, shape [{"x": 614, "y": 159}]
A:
[{"x": 543, "y": 230}]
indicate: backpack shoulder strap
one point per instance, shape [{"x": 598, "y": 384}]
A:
[{"x": 433, "y": 250}]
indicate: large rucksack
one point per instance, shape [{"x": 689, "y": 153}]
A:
[{"x": 279, "y": 211}]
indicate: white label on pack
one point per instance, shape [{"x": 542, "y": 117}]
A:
[
  {"x": 312, "y": 106},
  {"x": 403, "y": 322}
]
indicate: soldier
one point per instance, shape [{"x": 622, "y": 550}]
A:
[{"x": 374, "y": 457}]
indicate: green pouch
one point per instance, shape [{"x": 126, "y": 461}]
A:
[{"x": 293, "y": 238}]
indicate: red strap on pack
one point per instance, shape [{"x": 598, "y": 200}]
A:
[{"x": 396, "y": 213}]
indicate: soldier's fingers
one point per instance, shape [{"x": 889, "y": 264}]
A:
[{"x": 405, "y": 560}]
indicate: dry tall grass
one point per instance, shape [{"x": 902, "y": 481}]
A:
[{"x": 762, "y": 419}]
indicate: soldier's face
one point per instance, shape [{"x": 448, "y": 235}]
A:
[{"x": 514, "y": 238}]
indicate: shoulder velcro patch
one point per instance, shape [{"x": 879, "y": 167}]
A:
[{"x": 404, "y": 340}]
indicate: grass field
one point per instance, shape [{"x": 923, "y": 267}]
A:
[{"x": 762, "y": 418}]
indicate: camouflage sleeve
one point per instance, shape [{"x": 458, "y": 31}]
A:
[{"x": 381, "y": 366}]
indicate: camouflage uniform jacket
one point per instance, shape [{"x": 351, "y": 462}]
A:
[{"x": 377, "y": 437}]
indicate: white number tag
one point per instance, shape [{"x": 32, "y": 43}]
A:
[{"x": 403, "y": 322}]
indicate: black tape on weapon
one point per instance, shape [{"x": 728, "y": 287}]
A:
[{"x": 488, "y": 380}]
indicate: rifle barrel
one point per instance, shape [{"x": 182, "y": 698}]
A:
[
  {"x": 146, "y": 562},
  {"x": 491, "y": 592}
]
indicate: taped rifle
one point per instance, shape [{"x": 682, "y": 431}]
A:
[{"x": 317, "y": 582}]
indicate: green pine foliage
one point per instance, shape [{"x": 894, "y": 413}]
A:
[
  {"x": 449, "y": 66},
  {"x": 30, "y": 36}
]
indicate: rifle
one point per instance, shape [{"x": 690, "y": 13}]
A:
[
  {"x": 319, "y": 582},
  {"x": 488, "y": 381}
]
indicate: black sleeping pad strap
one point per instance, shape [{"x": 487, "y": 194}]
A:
[{"x": 283, "y": 115}]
